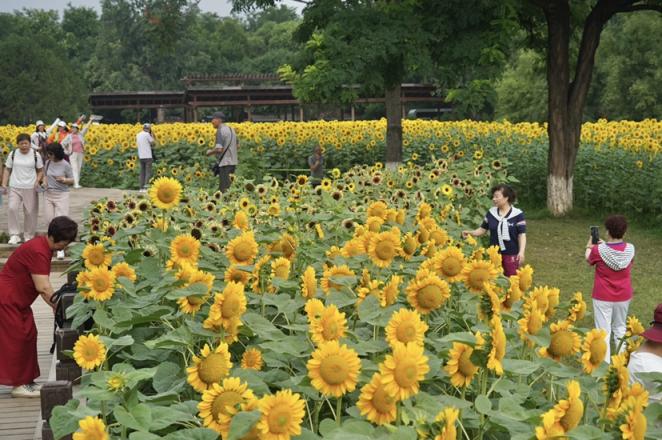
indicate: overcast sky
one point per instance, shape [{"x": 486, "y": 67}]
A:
[{"x": 220, "y": 7}]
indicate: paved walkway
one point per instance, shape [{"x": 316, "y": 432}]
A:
[
  {"x": 19, "y": 418},
  {"x": 79, "y": 199}
]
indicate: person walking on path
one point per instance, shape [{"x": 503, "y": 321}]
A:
[
  {"x": 648, "y": 357},
  {"x": 74, "y": 147},
  {"x": 225, "y": 149},
  {"x": 58, "y": 175},
  {"x": 145, "y": 141},
  {"x": 316, "y": 165},
  {"x": 507, "y": 228},
  {"x": 21, "y": 177},
  {"x": 23, "y": 278},
  {"x": 39, "y": 139},
  {"x": 612, "y": 285}
]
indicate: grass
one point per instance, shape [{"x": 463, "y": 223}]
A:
[{"x": 555, "y": 249}]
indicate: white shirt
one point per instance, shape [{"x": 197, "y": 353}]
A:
[
  {"x": 144, "y": 140},
  {"x": 643, "y": 362},
  {"x": 23, "y": 168}
]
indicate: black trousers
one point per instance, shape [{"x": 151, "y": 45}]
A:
[{"x": 224, "y": 177}]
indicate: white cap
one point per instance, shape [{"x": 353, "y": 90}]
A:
[
  {"x": 62, "y": 124},
  {"x": 147, "y": 125},
  {"x": 40, "y": 122}
]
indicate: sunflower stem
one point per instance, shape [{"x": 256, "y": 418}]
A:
[
  {"x": 316, "y": 416},
  {"x": 338, "y": 410}
]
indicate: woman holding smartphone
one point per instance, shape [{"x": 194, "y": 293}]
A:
[{"x": 612, "y": 286}]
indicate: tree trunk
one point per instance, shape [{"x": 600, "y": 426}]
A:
[{"x": 393, "y": 127}]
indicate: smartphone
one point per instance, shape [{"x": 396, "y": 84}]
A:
[{"x": 595, "y": 235}]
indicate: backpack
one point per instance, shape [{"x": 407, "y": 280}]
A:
[{"x": 61, "y": 320}]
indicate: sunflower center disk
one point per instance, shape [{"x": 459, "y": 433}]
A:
[
  {"x": 333, "y": 369},
  {"x": 561, "y": 344},
  {"x": 213, "y": 368},
  {"x": 281, "y": 272},
  {"x": 90, "y": 353},
  {"x": 166, "y": 195},
  {"x": 242, "y": 252},
  {"x": 406, "y": 332},
  {"x": 385, "y": 250},
  {"x": 195, "y": 300},
  {"x": 451, "y": 267},
  {"x": 382, "y": 401},
  {"x": 477, "y": 277},
  {"x": 96, "y": 258},
  {"x": 224, "y": 401},
  {"x": 429, "y": 297},
  {"x": 406, "y": 373},
  {"x": 278, "y": 419},
  {"x": 330, "y": 330},
  {"x": 100, "y": 284}
]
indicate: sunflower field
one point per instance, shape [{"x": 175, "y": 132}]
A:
[
  {"x": 353, "y": 310},
  {"x": 617, "y": 163}
]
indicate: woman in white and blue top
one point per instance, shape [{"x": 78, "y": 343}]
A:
[{"x": 507, "y": 228}]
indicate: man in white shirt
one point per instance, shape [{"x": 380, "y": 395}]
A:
[
  {"x": 20, "y": 179},
  {"x": 648, "y": 357},
  {"x": 145, "y": 140}
]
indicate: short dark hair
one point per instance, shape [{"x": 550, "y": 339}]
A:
[
  {"x": 22, "y": 137},
  {"x": 56, "y": 149},
  {"x": 616, "y": 225},
  {"x": 506, "y": 190},
  {"x": 62, "y": 228}
]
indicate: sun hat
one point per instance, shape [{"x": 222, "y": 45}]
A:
[
  {"x": 654, "y": 333},
  {"x": 218, "y": 115},
  {"x": 40, "y": 122},
  {"x": 74, "y": 125},
  {"x": 62, "y": 124},
  {"x": 147, "y": 125}
]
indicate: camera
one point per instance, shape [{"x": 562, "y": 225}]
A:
[{"x": 595, "y": 235}]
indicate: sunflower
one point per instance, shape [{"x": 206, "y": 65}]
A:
[
  {"x": 241, "y": 220},
  {"x": 333, "y": 369},
  {"x": 116, "y": 382},
  {"x": 475, "y": 273},
  {"x": 89, "y": 351},
  {"x": 513, "y": 294},
  {"x": 308, "y": 283},
  {"x": 439, "y": 236},
  {"x": 594, "y": 349},
  {"x": 391, "y": 291},
  {"x": 95, "y": 256},
  {"x": 427, "y": 292},
  {"x": 91, "y": 428},
  {"x": 495, "y": 257},
  {"x": 375, "y": 403},
  {"x": 553, "y": 298},
  {"x": 282, "y": 415},
  {"x": 101, "y": 284},
  {"x": 302, "y": 180},
  {"x": 192, "y": 304},
  {"x": 459, "y": 366},
  {"x": 383, "y": 247},
  {"x": 634, "y": 327},
  {"x": 447, "y": 418},
  {"x": 525, "y": 275},
  {"x": 280, "y": 268},
  {"x": 233, "y": 273},
  {"x": 313, "y": 308},
  {"x": 634, "y": 426},
  {"x": 564, "y": 416},
  {"x": 251, "y": 359},
  {"x": 405, "y": 327},
  {"x": 124, "y": 270},
  {"x": 242, "y": 250},
  {"x": 374, "y": 224},
  {"x": 330, "y": 326},
  {"x": 377, "y": 209},
  {"x": 409, "y": 246},
  {"x": 273, "y": 210},
  {"x": 185, "y": 247},
  {"x": 337, "y": 273},
  {"x": 210, "y": 368},
  {"x": 531, "y": 323},
  {"x": 228, "y": 306},
  {"x": 221, "y": 402},
  {"x": 564, "y": 341},
  {"x": 165, "y": 192},
  {"x": 498, "y": 350},
  {"x": 577, "y": 307},
  {"x": 403, "y": 370},
  {"x": 447, "y": 263}
]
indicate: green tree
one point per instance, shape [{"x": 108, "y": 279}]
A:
[{"x": 522, "y": 90}]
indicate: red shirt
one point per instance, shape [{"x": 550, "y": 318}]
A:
[
  {"x": 16, "y": 285},
  {"x": 609, "y": 284}
]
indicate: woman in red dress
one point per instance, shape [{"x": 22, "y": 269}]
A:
[{"x": 22, "y": 279}]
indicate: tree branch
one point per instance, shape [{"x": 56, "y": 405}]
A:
[{"x": 641, "y": 7}]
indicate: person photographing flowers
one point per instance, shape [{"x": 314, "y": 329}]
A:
[
  {"x": 507, "y": 228},
  {"x": 612, "y": 285}
]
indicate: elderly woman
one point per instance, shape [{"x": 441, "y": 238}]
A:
[
  {"x": 648, "y": 357},
  {"x": 612, "y": 285},
  {"x": 57, "y": 178},
  {"x": 20, "y": 180},
  {"x": 24, "y": 277},
  {"x": 507, "y": 228}
]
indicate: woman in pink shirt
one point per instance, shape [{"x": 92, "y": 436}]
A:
[
  {"x": 74, "y": 146},
  {"x": 612, "y": 286}
]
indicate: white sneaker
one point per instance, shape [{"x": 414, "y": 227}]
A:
[
  {"x": 27, "y": 238},
  {"x": 14, "y": 239},
  {"x": 29, "y": 390},
  {"x": 77, "y": 187},
  {"x": 59, "y": 255}
]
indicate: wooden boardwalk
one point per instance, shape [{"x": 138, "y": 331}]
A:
[{"x": 19, "y": 416}]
